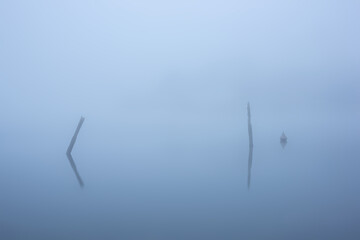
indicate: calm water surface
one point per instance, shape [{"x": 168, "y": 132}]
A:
[{"x": 181, "y": 180}]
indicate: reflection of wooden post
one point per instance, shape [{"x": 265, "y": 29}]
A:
[
  {"x": 72, "y": 163},
  {"x": 68, "y": 152},
  {"x": 251, "y": 145}
]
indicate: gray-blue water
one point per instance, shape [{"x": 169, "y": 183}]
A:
[
  {"x": 163, "y": 151},
  {"x": 183, "y": 180}
]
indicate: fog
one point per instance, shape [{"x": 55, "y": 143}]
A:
[{"x": 163, "y": 152}]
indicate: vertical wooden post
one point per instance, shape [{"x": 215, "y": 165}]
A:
[{"x": 251, "y": 145}]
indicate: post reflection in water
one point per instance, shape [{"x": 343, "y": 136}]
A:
[
  {"x": 250, "y": 165},
  {"x": 72, "y": 163},
  {"x": 68, "y": 152}
]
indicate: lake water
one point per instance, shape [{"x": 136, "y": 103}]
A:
[{"x": 181, "y": 179}]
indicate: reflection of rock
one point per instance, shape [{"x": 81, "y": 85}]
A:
[{"x": 283, "y": 140}]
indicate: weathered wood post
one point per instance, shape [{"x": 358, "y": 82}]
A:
[
  {"x": 251, "y": 145},
  {"x": 69, "y": 149}
]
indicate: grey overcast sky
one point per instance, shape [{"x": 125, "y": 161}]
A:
[{"x": 96, "y": 57}]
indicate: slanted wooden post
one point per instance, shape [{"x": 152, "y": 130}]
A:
[
  {"x": 69, "y": 149},
  {"x": 73, "y": 140}
]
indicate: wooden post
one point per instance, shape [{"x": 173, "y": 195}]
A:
[
  {"x": 69, "y": 149},
  {"x": 251, "y": 145}
]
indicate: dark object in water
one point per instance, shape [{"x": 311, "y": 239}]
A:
[
  {"x": 68, "y": 152},
  {"x": 283, "y": 138}
]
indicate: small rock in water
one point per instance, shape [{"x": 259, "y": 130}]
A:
[{"x": 283, "y": 137}]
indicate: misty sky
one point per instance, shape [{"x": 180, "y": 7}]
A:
[{"x": 134, "y": 58}]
